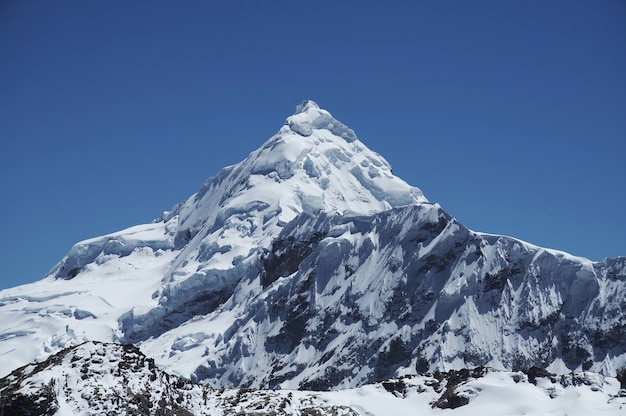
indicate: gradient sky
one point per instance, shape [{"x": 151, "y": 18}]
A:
[{"x": 510, "y": 114}]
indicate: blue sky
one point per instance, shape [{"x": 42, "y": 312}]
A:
[{"x": 510, "y": 114}]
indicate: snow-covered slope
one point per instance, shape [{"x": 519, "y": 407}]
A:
[
  {"x": 310, "y": 265},
  {"x": 97, "y": 378}
]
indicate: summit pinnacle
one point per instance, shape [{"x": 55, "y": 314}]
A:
[{"x": 305, "y": 105}]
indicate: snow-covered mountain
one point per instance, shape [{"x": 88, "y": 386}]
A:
[{"x": 309, "y": 265}]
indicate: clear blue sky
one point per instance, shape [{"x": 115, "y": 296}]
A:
[{"x": 510, "y": 114}]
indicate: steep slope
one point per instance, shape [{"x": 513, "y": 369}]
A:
[
  {"x": 309, "y": 265},
  {"x": 341, "y": 301}
]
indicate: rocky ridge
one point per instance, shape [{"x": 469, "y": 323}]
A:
[{"x": 99, "y": 378}]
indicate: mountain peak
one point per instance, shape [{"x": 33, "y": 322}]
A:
[
  {"x": 305, "y": 106},
  {"x": 313, "y": 164},
  {"x": 310, "y": 117},
  {"x": 320, "y": 160}
]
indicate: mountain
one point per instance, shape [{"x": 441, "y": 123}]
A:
[{"x": 309, "y": 265}]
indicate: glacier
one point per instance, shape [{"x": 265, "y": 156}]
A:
[{"x": 309, "y": 265}]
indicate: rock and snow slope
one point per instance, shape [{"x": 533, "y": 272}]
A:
[
  {"x": 97, "y": 378},
  {"x": 309, "y": 265}
]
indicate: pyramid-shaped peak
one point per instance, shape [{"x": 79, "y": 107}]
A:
[{"x": 313, "y": 164}]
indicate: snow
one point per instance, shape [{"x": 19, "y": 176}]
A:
[
  {"x": 497, "y": 393},
  {"x": 46, "y": 316},
  {"x": 96, "y": 377}
]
